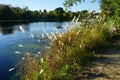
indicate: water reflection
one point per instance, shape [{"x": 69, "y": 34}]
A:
[
  {"x": 9, "y": 27},
  {"x": 6, "y": 31},
  {"x": 9, "y": 43}
]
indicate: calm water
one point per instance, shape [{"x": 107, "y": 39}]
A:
[{"x": 11, "y": 36}]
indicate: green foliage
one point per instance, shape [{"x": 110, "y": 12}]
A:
[
  {"x": 110, "y": 7},
  {"x": 15, "y": 13},
  {"x": 59, "y": 14},
  {"x": 70, "y": 3}
]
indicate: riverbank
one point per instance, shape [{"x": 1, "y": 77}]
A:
[
  {"x": 71, "y": 54},
  {"x": 107, "y": 64}
]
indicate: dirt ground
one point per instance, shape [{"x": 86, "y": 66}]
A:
[{"x": 106, "y": 66}]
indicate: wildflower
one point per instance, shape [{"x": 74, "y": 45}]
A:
[
  {"x": 32, "y": 35},
  {"x": 20, "y": 45},
  {"x": 41, "y": 71},
  {"x": 17, "y": 52},
  {"x": 41, "y": 60},
  {"x": 21, "y": 28},
  {"x": 11, "y": 69}
]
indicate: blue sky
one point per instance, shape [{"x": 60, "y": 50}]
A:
[{"x": 51, "y": 4}]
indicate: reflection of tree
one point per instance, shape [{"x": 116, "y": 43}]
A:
[
  {"x": 9, "y": 27},
  {"x": 59, "y": 25},
  {"x": 6, "y": 31}
]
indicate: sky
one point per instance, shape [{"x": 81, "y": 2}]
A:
[{"x": 51, "y": 4}]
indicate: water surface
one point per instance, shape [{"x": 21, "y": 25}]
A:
[{"x": 11, "y": 37}]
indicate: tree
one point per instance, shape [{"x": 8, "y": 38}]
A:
[
  {"x": 7, "y": 13},
  {"x": 45, "y": 11},
  {"x": 35, "y": 14},
  {"x": 59, "y": 13},
  {"x": 69, "y": 3},
  {"x": 59, "y": 10},
  {"x": 110, "y": 7}
]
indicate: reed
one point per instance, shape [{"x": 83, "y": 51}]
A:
[{"x": 70, "y": 53}]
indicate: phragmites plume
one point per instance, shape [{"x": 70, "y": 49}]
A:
[
  {"x": 73, "y": 20},
  {"x": 23, "y": 58},
  {"x": 70, "y": 38},
  {"x": 11, "y": 69},
  {"x": 20, "y": 45},
  {"x": 39, "y": 52},
  {"x": 32, "y": 35},
  {"x": 60, "y": 35},
  {"x": 43, "y": 36},
  {"x": 41, "y": 71},
  {"x": 17, "y": 52},
  {"x": 80, "y": 46},
  {"x": 77, "y": 19},
  {"x": 78, "y": 32},
  {"x": 50, "y": 37},
  {"x": 21, "y": 28},
  {"x": 41, "y": 60}
]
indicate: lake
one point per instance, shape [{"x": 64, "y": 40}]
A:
[{"x": 11, "y": 36}]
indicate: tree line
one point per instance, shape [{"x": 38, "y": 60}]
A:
[{"x": 8, "y": 12}]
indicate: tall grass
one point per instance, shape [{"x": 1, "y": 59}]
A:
[{"x": 70, "y": 53}]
